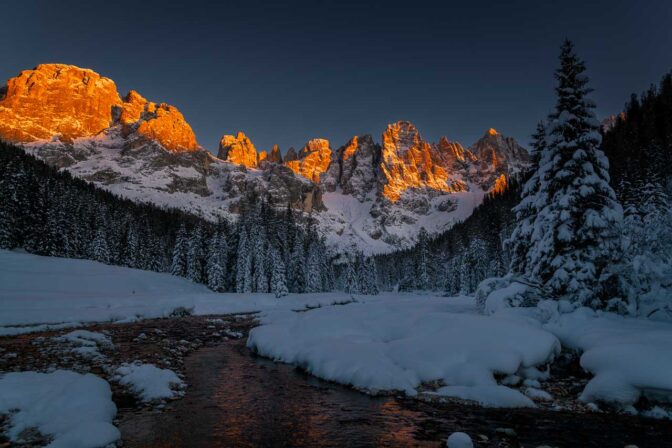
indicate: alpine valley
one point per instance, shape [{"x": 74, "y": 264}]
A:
[{"x": 367, "y": 195}]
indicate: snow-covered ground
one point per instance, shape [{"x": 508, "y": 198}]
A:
[
  {"x": 398, "y": 344},
  {"x": 415, "y": 343},
  {"x": 75, "y": 410},
  {"x": 40, "y": 293},
  {"x": 150, "y": 382}
]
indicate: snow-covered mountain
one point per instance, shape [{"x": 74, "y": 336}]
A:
[{"x": 364, "y": 195}]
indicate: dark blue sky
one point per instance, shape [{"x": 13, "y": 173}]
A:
[{"x": 287, "y": 72}]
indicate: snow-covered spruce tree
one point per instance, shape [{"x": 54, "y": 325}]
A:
[
  {"x": 538, "y": 145},
  {"x": 574, "y": 232},
  {"x": 423, "y": 264},
  {"x": 527, "y": 211},
  {"x": 99, "y": 249},
  {"x": 314, "y": 269},
  {"x": 351, "y": 279},
  {"x": 297, "y": 271},
  {"x": 195, "y": 256},
  {"x": 371, "y": 278},
  {"x": 179, "y": 264},
  {"x": 215, "y": 270},
  {"x": 278, "y": 276},
  {"x": 243, "y": 263},
  {"x": 131, "y": 249},
  {"x": 260, "y": 254}
]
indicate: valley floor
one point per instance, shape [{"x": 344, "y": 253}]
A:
[{"x": 127, "y": 343}]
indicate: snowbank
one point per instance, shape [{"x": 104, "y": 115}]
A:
[
  {"x": 629, "y": 357},
  {"x": 149, "y": 382},
  {"x": 397, "y": 345},
  {"x": 76, "y": 410},
  {"x": 70, "y": 292}
]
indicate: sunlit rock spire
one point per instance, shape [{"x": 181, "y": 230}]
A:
[{"x": 238, "y": 149}]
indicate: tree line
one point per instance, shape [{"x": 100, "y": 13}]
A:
[{"x": 48, "y": 212}]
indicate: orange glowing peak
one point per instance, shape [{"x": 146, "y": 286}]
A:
[
  {"x": 67, "y": 102},
  {"x": 313, "y": 159},
  {"x": 238, "y": 149},
  {"x": 492, "y": 131},
  {"x": 408, "y": 161}
]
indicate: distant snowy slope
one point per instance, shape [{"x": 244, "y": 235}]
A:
[
  {"x": 34, "y": 277},
  {"x": 35, "y": 289},
  {"x": 41, "y": 291}
]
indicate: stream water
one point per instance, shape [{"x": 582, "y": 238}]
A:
[{"x": 236, "y": 399}]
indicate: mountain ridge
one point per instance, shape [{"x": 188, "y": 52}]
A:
[{"x": 363, "y": 195}]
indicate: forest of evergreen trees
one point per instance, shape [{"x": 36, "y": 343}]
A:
[
  {"x": 639, "y": 145},
  {"x": 456, "y": 261},
  {"x": 638, "y": 268},
  {"x": 48, "y": 212}
]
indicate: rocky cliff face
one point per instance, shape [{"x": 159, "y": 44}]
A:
[
  {"x": 64, "y": 102},
  {"x": 238, "y": 150},
  {"x": 161, "y": 123},
  {"x": 380, "y": 195},
  {"x": 497, "y": 154},
  {"x": 364, "y": 195},
  {"x": 354, "y": 168},
  {"x": 409, "y": 162},
  {"x": 313, "y": 160},
  {"x": 55, "y": 100}
]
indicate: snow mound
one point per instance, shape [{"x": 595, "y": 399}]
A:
[
  {"x": 629, "y": 357},
  {"x": 75, "y": 410},
  {"x": 538, "y": 394},
  {"x": 86, "y": 343},
  {"x": 149, "y": 382},
  {"x": 398, "y": 345},
  {"x": 459, "y": 440}
]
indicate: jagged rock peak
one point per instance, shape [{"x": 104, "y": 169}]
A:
[
  {"x": 238, "y": 149},
  {"x": 401, "y": 136},
  {"x": 409, "y": 162},
  {"x": 454, "y": 152},
  {"x": 313, "y": 159},
  {"x": 354, "y": 167},
  {"x": 275, "y": 156},
  {"x": 500, "y": 154},
  {"x": 68, "y": 102},
  {"x": 56, "y": 100},
  {"x": 158, "y": 122},
  {"x": 291, "y": 155}
]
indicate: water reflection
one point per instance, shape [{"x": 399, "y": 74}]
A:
[{"x": 237, "y": 400}]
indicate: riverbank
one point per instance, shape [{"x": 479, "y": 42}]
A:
[{"x": 234, "y": 398}]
